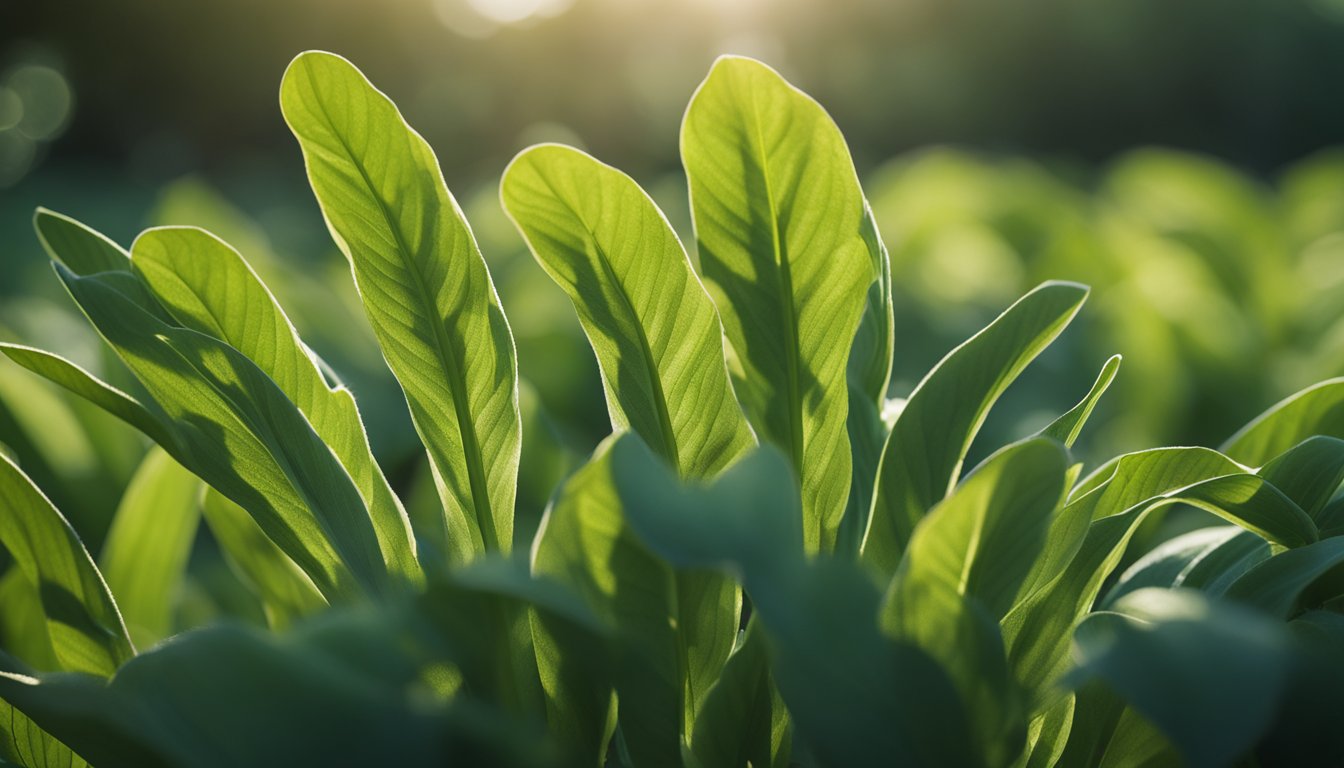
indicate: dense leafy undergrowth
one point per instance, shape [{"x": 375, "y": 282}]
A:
[{"x": 769, "y": 562}]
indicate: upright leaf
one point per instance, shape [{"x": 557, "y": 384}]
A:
[
  {"x": 207, "y": 287},
  {"x": 660, "y": 348},
  {"x": 585, "y": 544},
  {"x": 845, "y": 683},
  {"x": 1068, "y": 426},
  {"x": 779, "y": 219},
  {"x": 86, "y": 631},
  {"x": 922, "y": 458},
  {"x": 965, "y": 563},
  {"x": 654, "y": 329},
  {"x": 148, "y": 545},
  {"x": 425, "y": 288},
  {"x": 868, "y": 374}
]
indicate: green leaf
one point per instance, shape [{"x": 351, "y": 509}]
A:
[
  {"x": 285, "y": 589},
  {"x": 85, "y": 252},
  {"x": 31, "y": 747},
  {"x": 1208, "y": 559},
  {"x": 1163, "y": 651},
  {"x": 1036, "y": 631},
  {"x": 207, "y": 287},
  {"x": 780, "y": 222},
  {"x": 1108, "y": 734},
  {"x": 23, "y": 612},
  {"x": 656, "y": 333},
  {"x": 425, "y": 288},
  {"x": 984, "y": 537},
  {"x": 1281, "y": 585},
  {"x": 846, "y": 684},
  {"x": 348, "y": 690},
  {"x": 87, "y": 633},
  {"x": 80, "y": 248},
  {"x": 234, "y": 428},
  {"x": 1068, "y": 426},
  {"x": 1309, "y": 473},
  {"x": 75, "y": 379},
  {"x": 922, "y": 458},
  {"x": 964, "y": 566},
  {"x": 1316, "y": 410},
  {"x": 870, "y": 356},
  {"x": 1116, "y": 486},
  {"x": 147, "y": 547},
  {"x": 744, "y": 720},
  {"x": 673, "y": 634},
  {"x": 868, "y": 374}
]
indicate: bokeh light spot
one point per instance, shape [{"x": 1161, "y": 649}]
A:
[
  {"x": 46, "y": 100},
  {"x": 11, "y": 108}
]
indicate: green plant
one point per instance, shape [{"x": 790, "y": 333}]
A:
[{"x": 768, "y": 563}]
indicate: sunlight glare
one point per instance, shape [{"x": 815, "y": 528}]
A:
[{"x": 514, "y": 11}]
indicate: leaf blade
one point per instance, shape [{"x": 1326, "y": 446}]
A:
[
  {"x": 424, "y": 285},
  {"x": 779, "y": 221},
  {"x": 922, "y": 457}
]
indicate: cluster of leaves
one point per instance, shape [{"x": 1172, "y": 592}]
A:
[{"x": 769, "y": 562}]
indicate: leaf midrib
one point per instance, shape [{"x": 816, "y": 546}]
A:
[
  {"x": 785, "y": 285},
  {"x": 651, "y": 366},
  {"x": 466, "y": 426}
]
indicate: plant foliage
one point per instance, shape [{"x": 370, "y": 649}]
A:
[{"x": 767, "y": 563}]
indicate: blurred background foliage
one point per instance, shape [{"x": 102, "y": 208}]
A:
[{"x": 1175, "y": 156}]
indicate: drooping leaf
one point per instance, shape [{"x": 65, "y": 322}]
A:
[
  {"x": 1208, "y": 559},
  {"x": 1280, "y": 585},
  {"x": 780, "y": 221},
  {"x": 65, "y": 373},
  {"x": 149, "y": 543},
  {"x": 86, "y": 251},
  {"x": 922, "y": 459},
  {"x": 1036, "y": 631},
  {"x": 656, "y": 333},
  {"x": 1114, "y": 487},
  {"x": 1309, "y": 473},
  {"x": 234, "y": 428},
  {"x": 81, "y": 619},
  {"x": 425, "y": 288},
  {"x": 207, "y": 287},
  {"x": 80, "y": 248}
]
